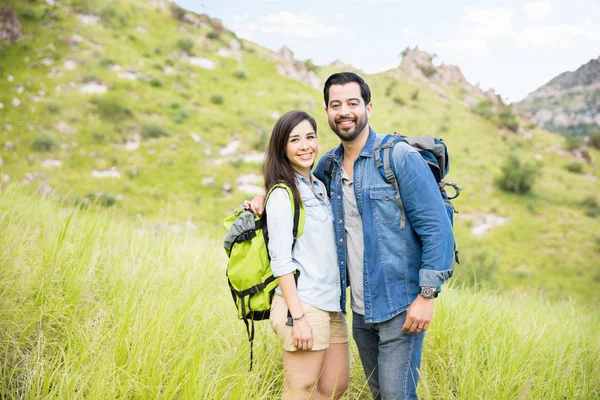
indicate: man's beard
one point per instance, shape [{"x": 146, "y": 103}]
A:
[{"x": 349, "y": 135}]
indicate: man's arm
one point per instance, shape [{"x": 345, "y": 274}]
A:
[{"x": 426, "y": 212}]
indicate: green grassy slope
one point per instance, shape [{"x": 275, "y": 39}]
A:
[{"x": 548, "y": 242}]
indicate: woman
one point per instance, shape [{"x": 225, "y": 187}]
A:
[{"x": 315, "y": 348}]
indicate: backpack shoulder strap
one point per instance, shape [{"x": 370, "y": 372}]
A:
[
  {"x": 297, "y": 212},
  {"x": 383, "y": 156},
  {"x": 330, "y": 170}
]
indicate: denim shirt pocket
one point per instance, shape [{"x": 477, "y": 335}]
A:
[
  {"x": 384, "y": 205},
  {"x": 314, "y": 209}
]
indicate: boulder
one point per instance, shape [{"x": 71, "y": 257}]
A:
[{"x": 10, "y": 26}]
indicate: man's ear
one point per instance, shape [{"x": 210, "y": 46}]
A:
[{"x": 369, "y": 108}]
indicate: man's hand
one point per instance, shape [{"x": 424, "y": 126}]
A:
[
  {"x": 419, "y": 315},
  {"x": 257, "y": 204}
]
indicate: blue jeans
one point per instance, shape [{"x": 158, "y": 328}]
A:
[{"x": 390, "y": 357}]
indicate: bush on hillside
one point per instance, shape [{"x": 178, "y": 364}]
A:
[
  {"x": 177, "y": 12},
  {"x": 112, "y": 107},
  {"x": 415, "y": 95},
  {"x": 45, "y": 142},
  {"x": 155, "y": 82},
  {"x": 240, "y": 74},
  {"x": 54, "y": 108},
  {"x": 153, "y": 131},
  {"x": 212, "y": 35},
  {"x": 573, "y": 142},
  {"x": 484, "y": 108},
  {"x": 506, "y": 119},
  {"x": 102, "y": 199},
  {"x": 428, "y": 71},
  {"x": 185, "y": 45},
  {"x": 517, "y": 177},
  {"x": 28, "y": 14},
  {"x": 399, "y": 100},
  {"x": 217, "y": 99},
  {"x": 575, "y": 167},
  {"x": 592, "y": 207},
  {"x": 594, "y": 140}
]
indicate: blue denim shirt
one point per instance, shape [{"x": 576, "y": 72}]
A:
[{"x": 396, "y": 260}]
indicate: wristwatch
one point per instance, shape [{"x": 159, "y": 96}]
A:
[{"x": 428, "y": 292}]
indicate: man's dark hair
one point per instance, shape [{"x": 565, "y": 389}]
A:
[
  {"x": 276, "y": 166},
  {"x": 342, "y": 78}
]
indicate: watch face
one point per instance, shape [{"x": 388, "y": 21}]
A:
[{"x": 427, "y": 292}]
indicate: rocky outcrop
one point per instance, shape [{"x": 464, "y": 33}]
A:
[
  {"x": 567, "y": 104},
  {"x": 10, "y": 26},
  {"x": 290, "y": 67},
  {"x": 418, "y": 64}
]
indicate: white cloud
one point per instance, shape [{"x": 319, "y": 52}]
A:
[
  {"x": 303, "y": 25},
  {"x": 460, "y": 49},
  {"x": 561, "y": 36},
  {"x": 340, "y": 15},
  {"x": 493, "y": 23},
  {"x": 537, "y": 9}
]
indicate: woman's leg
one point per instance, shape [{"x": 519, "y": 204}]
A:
[
  {"x": 301, "y": 370},
  {"x": 336, "y": 371}
]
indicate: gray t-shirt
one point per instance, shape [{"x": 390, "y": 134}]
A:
[{"x": 355, "y": 245}]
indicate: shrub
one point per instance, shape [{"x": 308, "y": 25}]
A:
[
  {"x": 240, "y": 74},
  {"x": 575, "y": 167},
  {"x": 113, "y": 108},
  {"x": 185, "y": 45},
  {"x": 506, "y": 119},
  {"x": 177, "y": 12},
  {"x": 517, "y": 177},
  {"x": 107, "y": 63},
  {"x": 485, "y": 109},
  {"x": 28, "y": 14},
  {"x": 54, "y": 108},
  {"x": 212, "y": 35},
  {"x": 153, "y": 131},
  {"x": 216, "y": 99},
  {"x": 45, "y": 142},
  {"x": 573, "y": 142},
  {"x": 399, "y": 100},
  {"x": 592, "y": 207},
  {"x": 155, "y": 82},
  {"x": 415, "y": 95},
  {"x": 180, "y": 116},
  {"x": 428, "y": 71},
  {"x": 594, "y": 140},
  {"x": 103, "y": 199},
  {"x": 108, "y": 13}
]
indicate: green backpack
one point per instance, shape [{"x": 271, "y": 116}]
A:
[{"x": 249, "y": 274}]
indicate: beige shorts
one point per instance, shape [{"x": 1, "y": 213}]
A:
[{"x": 327, "y": 327}]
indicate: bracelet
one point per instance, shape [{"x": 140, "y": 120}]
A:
[{"x": 296, "y": 319}]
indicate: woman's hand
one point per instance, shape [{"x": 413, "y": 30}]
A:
[
  {"x": 303, "y": 336},
  {"x": 257, "y": 204}
]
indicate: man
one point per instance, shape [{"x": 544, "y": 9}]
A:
[{"x": 394, "y": 260}]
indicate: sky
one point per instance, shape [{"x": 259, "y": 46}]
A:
[{"x": 511, "y": 46}]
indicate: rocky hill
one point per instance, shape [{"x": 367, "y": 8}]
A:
[
  {"x": 162, "y": 115},
  {"x": 569, "y": 104}
]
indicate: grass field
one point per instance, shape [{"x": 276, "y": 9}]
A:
[{"x": 96, "y": 306}]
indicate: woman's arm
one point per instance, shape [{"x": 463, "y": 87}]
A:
[{"x": 280, "y": 225}]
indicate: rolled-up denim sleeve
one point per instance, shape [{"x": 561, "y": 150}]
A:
[
  {"x": 427, "y": 214},
  {"x": 280, "y": 224}
]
